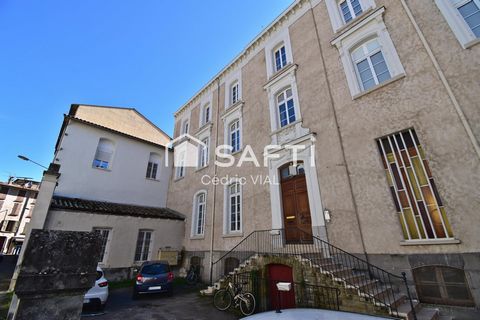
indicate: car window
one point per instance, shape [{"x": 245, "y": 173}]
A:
[
  {"x": 155, "y": 269},
  {"x": 99, "y": 274}
]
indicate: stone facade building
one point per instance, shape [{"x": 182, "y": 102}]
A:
[
  {"x": 17, "y": 200},
  {"x": 380, "y": 99}
]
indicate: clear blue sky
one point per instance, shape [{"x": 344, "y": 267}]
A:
[{"x": 152, "y": 55}]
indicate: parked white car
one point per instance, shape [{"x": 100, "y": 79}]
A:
[
  {"x": 97, "y": 296},
  {"x": 311, "y": 314}
]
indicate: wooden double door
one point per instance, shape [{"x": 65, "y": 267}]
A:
[{"x": 296, "y": 209}]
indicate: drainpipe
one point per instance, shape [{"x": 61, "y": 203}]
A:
[
  {"x": 334, "y": 111},
  {"x": 445, "y": 83},
  {"x": 214, "y": 185}
]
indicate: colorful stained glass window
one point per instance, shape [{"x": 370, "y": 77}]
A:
[{"x": 415, "y": 195}]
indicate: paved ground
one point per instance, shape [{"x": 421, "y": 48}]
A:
[{"x": 185, "y": 305}]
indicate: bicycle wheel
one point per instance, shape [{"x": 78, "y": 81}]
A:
[
  {"x": 247, "y": 304},
  {"x": 222, "y": 299},
  {"x": 191, "y": 278}
]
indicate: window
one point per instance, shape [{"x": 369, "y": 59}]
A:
[
  {"x": 3, "y": 192},
  {"x": 368, "y": 55},
  {"x": 206, "y": 114},
  {"x": 142, "y": 252},
  {"x": 350, "y": 9},
  {"x": 105, "y": 238},
  {"x": 286, "y": 108},
  {"x": 180, "y": 170},
  {"x": 234, "y": 93},
  {"x": 15, "y": 209},
  {"x": 185, "y": 126},
  {"x": 11, "y": 226},
  {"x": 103, "y": 155},
  {"x": 442, "y": 285},
  {"x": 415, "y": 195},
  {"x": 204, "y": 153},
  {"x": 234, "y": 207},
  {"x": 280, "y": 58},
  {"x": 470, "y": 11},
  {"x": 152, "y": 166},
  {"x": 370, "y": 64},
  {"x": 199, "y": 214},
  {"x": 463, "y": 17},
  {"x": 234, "y": 135}
]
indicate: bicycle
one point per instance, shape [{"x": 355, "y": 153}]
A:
[
  {"x": 224, "y": 298},
  {"x": 193, "y": 275}
]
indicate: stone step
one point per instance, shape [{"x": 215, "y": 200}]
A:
[
  {"x": 428, "y": 314},
  {"x": 405, "y": 310}
]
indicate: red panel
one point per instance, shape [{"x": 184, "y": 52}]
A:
[{"x": 280, "y": 273}]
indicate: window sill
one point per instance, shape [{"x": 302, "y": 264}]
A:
[
  {"x": 197, "y": 237},
  {"x": 292, "y": 124},
  {"x": 102, "y": 169},
  {"x": 277, "y": 75},
  {"x": 201, "y": 168},
  {"x": 236, "y": 152},
  {"x": 152, "y": 179},
  {"x": 350, "y": 24},
  {"x": 178, "y": 178},
  {"x": 356, "y": 23},
  {"x": 233, "y": 235},
  {"x": 378, "y": 86},
  {"x": 472, "y": 43},
  {"x": 429, "y": 242}
]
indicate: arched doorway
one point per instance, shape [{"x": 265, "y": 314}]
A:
[
  {"x": 230, "y": 264},
  {"x": 282, "y": 299},
  {"x": 297, "y": 220}
]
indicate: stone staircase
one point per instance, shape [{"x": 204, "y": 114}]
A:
[{"x": 370, "y": 291}]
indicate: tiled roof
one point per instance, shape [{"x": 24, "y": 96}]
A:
[{"x": 101, "y": 207}]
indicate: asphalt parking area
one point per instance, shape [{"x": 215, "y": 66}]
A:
[{"x": 188, "y": 305}]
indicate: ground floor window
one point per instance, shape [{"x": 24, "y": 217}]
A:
[
  {"x": 142, "y": 251},
  {"x": 105, "y": 237},
  {"x": 415, "y": 195},
  {"x": 442, "y": 285}
]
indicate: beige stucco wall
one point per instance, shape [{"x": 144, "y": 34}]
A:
[
  {"x": 121, "y": 250},
  {"x": 418, "y": 100}
]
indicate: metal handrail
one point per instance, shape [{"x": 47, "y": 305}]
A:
[{"x": 378, "y": 286}]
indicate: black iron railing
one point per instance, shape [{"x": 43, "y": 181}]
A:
[
  {"x": 306, "y": 295},
  {"x": 375, "y": 284}
]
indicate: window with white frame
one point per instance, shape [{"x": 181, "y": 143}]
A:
[
  {"x": 203, "y": 152},
  {"x": 470, "y": 11},
  {"x": 152, "y": 166},
  {"x": 286, "y": 107},
  {"x": 234, "y": 207},
  {"x": 199, "y": 214},
  {"x": 368, "y": 55},
  {"x": 104, "y": 154},
  {"x": 180, "y": 164},
  {"x": 341, "y": 12},
  {"x": 234, "y": 93},
  {"x": 234, "y": 135},
  {"x": 463, "y": 17},
  {"x": 370, "y": 64},
  {"x": 280, "y": 57},
  {"x": 350, "y": 9},
  {"x": 105, "y": 234},
  {"x": 206, "y": 114},
  {"x": 142, "y": 251},
  {"x": 185, "y": 127}
]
